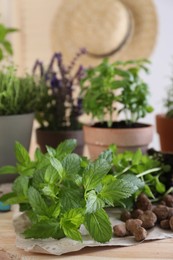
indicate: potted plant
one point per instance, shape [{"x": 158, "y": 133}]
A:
[
  {"x": 19, "y": 98},
  {"x": 164, "y": 122},
  {"x": 58, "y": 115},
  {"x": 115, "y": 89}
]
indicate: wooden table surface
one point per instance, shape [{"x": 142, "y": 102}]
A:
[{"x": 160, "y": 249}]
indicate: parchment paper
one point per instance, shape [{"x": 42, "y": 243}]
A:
[{"x": 65, "y": 245}]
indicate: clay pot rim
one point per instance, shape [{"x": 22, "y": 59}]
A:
[
  {"x": 163, "y": 116},
  {"x": 46, "y": 130},
  {"x": 145, "y": 125}
]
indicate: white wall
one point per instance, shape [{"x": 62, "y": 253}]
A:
[{"x": 162, "y": 61}]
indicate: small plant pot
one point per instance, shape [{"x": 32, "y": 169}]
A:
[
  {"x": 53, "y": 138},
  {"x": 13, "y": 128},
  {"x": 164, "y": 127},
  {"x": 98, "y": 139}
]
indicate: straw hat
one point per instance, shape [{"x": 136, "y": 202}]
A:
[{"x": 118, "y": 29}]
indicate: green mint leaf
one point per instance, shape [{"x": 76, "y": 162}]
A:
[
  {"x": 70, "y": 197},
  {"x": 99, "y": 226},
  {"x": 71, "y": 164},
  {"x": 52, "y": 175},
  {"x": 44, "y": 229},
  {"x": 38, "y": 178},
  {"x": 37, "y": 202},
  {"x": 72, "y": 232},
  {"x": 120, "y": 189},
  {"x": 107, "y": 155},
  {"x": 58, "y": 167},
  {"x": 20, "y": 186},
  {"x": 137, "y": 156},
  {"x": 94, "y": 173},
  {"x": 70, "y": 223},
  {"x": 51, "y": 151},
  {"x": 65, "y": 148},
  {"x": 8, "y": 169},
  {"x": 38, "y": 155},
  {"x": 93, "y": 202},
  {"x": 12, "y": 198},
  {"x": 21, "y": 153}
]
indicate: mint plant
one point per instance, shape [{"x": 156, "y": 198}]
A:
[
  {"x": 116, "y": 88},
  {"x": 60, "y": 191}
]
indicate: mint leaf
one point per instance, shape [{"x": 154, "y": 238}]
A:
[
  {"x": 52, "y": 175},
  {"x": 51, "y": 151},
  {"x": 93, "y": 202},
  {"x": 65, "y": 148},
  {"x": 20, "y": 186},
  {"x": 70, "y": 197},
  {"x": 107, "y": 155},
  {"x": 70, "y": 223},
  {"x": 121, "y": 188},
  {"x": 99, "y": 226},
  {"x": 71, "y": 164},
  {"x": 8, "y": 169},
  {"x": 58, "y": 167},
  {"x": 44, "y": 229},
  {"x": 21, "y": 153},
  {"x": 12, "y": 198},
  {"x": 94, "y": 173},
  {"x": 37, "y": 202}
]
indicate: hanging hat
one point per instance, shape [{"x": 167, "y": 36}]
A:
[{"x": 118, "y": 29}]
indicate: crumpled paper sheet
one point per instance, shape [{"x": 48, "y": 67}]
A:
[{"x": 65, "y": 245}]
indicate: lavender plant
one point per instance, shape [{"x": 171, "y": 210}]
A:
[{"x": 62, "y": 106}]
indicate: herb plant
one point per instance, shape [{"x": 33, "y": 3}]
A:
[
  {"x": 60, "y": 191},
  {"x": 116, "y": 87},
  {"x": 5, "y": 45},
  {"x": 149, "y": 168},
  {"x": 61, "y": 109},
  {"x": 19, "y": 95}
]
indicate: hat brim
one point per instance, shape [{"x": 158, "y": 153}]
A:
[{"x": 139, "y": 45}]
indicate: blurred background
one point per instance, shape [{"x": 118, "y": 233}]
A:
[{"x": 34, "y": 19}]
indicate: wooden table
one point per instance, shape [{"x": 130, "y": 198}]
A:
[{"x": 160, "y": 249}]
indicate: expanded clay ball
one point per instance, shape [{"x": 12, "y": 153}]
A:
[
  {"x": 140, "y": 234},
  {"x": 136, "y": 213},
  {"x": 125, "y": 215},
  {"x": 168, "y": 199},
  {"x": 148, "y": 219},
  {"x": 143, "y": 202},
  {"x": 132, "y": 224},
  {"x": 161, "y": 212},
  {"x": 171, "y": 223},
  {"x": 120, "y": 230},
  {"x": 165, "y": 224}
]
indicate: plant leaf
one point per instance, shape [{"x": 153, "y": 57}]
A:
[{"x": 99, "y": 226}]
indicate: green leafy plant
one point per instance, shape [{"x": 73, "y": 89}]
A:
[
  {"x": 5, "y": 45},
  {"x": 149, "y": 168},
  {"x": 116, "y": 87},
  {"x": 19, "y": 95},
  {"x": 60, "y": 191},
  {"x": 61, "y": 108}
]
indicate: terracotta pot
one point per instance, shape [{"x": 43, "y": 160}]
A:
[
  {"x": 13, "y": 128},
  {"x": 98, "y": 139},
  {"x": 53, "y": 138},
  {"x": 164, "y": 127}
]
